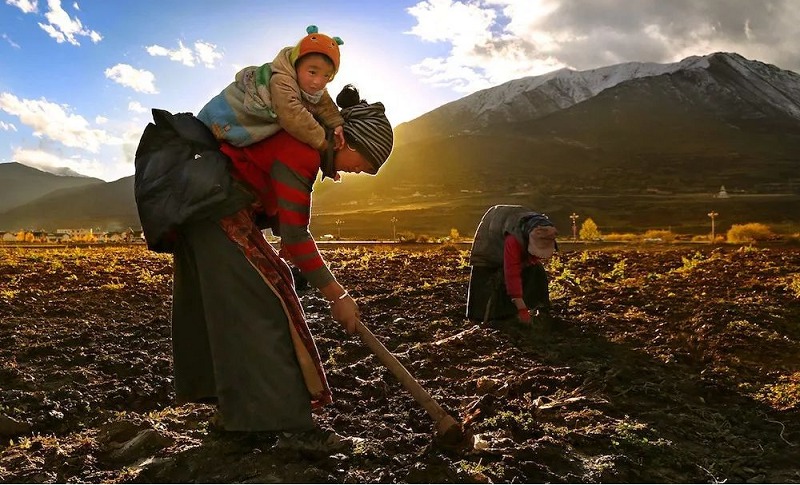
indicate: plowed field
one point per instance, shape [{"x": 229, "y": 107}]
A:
[{"x": 660, "y": 365}]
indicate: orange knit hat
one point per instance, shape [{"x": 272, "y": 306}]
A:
[{"x": 317, "y": 43}]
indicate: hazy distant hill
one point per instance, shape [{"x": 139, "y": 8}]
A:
[
  {"x": 634, "y": 146},
  {"x": 109, "y": 206},
  {"x": 20, "y": 184}
]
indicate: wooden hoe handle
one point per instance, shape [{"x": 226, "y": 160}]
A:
[{"x": 445, "y": 424}]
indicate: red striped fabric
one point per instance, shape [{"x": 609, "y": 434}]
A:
[
  {"x": 253, "y": 164},
  {"x": 303, "y": 248},
  {"x": 291, "y": 194}
]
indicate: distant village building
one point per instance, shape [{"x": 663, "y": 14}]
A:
[
  {"x": 723, "y": 194},
  {"x": 39, "y": 236},
  {"x": 114, "y": 237},
  {"x": 66, "y": 235}
]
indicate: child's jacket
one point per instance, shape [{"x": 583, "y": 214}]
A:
[{"x": 262, "y": 100}]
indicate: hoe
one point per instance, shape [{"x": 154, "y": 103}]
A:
[{"x": 447, "y": 428}]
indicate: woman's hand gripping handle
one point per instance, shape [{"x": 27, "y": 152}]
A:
[{"x": 344, "y": 308}]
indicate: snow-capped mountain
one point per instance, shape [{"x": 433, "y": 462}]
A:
[{"x": 533, "y": 97}]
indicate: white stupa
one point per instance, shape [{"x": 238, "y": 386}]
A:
[{"x": 723, "y": 194}]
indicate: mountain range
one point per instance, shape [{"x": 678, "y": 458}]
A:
[{"x": 634, "y": 146}]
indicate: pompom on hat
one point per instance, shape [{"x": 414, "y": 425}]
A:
[
  {"x": 366, "y": 129},
  {"x": 317, "y": 43},
  {"x": 366, "y": 126}
]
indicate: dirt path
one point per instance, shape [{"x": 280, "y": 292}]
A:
[{"x": 661, "y": 366}]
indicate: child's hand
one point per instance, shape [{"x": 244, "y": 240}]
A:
[{"x": 338, "y": 137}]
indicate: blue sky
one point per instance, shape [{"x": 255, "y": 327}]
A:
[{"x": 77, "y": 78}]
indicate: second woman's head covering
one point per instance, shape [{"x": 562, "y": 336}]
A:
[
  {"x": 541, "y": 235},
  {"x": 366, "y": 127}
]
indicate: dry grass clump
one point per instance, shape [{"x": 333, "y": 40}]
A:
[
  {"x": 748, "y": 233},
  {"x": 618, "y": 237},
  {"x": 659, "y": 235}
]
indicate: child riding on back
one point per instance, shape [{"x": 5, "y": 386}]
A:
[{"x": 289, "y": 93}]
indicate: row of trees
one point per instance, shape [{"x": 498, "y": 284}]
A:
[
  {"x": 81, "y": 236},
  {"x": 738, "y": 233},
  {"x": 589, "y": 231},
  {"x": 31, "y": 237}
]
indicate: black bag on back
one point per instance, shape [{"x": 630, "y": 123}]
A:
[{"x": 180, "y": 176}]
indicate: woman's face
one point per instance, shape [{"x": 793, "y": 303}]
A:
[{"x": 349, "y": 160}]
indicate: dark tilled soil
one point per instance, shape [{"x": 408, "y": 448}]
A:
[{"x": 660, "y": 365}]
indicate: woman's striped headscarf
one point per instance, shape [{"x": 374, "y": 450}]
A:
[{"x": 368, "y": 130}]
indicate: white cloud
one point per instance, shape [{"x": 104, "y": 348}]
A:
[
  {"x": 49, "y": 162},
  {"x": 55, "y": 122},
  {"x": 27, "y": 6},
  {"x": 448, "y": 73},
  {"x": 482, "y": 54},
  {"x": 129, "y": 145},
  {"x": 203, "y": 52},
  {"x": 182, "y": 54},
  {"x": 109, "y": 165},
  {"x": 114, "y": 161},
  {"x": 11, "y": 42},
  {"x": 64, "y": 28},
  {"x": 139, "y": 80},
  {"x": 100, "y": 120},
  {"x": 136, "y": 107},
  {"x": 207, "y": 54},
  {"x": 748, "y": 32},
  {"x": 7, "y": 126},
  {"x": 75, "y": 6},
  {"x": 451, "y": 21},
  {"x": 37, "y": 158},
  {"x": 489, "y": 42}
]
